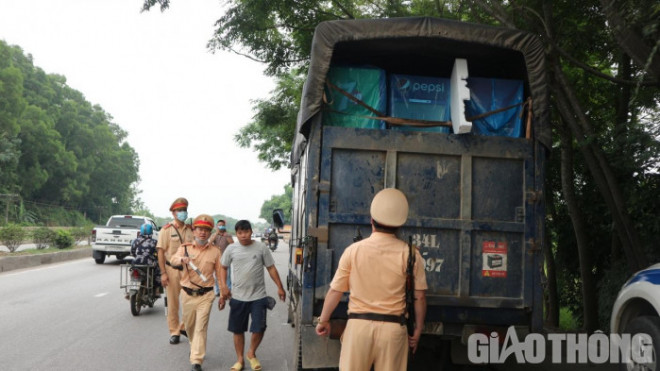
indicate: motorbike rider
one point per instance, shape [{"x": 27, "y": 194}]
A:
[
  {"x": 143, "y": 249},
  {"x": 272, "y": 238}
]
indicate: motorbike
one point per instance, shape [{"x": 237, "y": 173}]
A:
[
  {"x": 138, "y": 284},
  {"x": 272, "y": 242}
]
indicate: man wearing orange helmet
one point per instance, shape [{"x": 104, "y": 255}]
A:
[
  {"x": 200, "y": 260},
  {"x": 171, "y": 236}
]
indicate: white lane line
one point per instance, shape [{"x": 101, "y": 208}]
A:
[
  {"x": 35, "y": 268},
  {"x": 100, "y": 295}
]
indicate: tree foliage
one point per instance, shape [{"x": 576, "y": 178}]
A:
[
  {"x": 282, "y": 201},
  {"x": 58, "y": 149},
  {"x": 271, "y": 131},
  {"x": 603, "y": 60}
]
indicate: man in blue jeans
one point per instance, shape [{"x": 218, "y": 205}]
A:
[{"x": 247, "y": 259}]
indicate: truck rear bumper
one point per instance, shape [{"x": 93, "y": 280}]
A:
[{"x": 112, "y": 249}]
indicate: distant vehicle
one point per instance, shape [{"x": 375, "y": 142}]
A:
[
  {"x": 637, "y": 311},
  {"x": 272, "y": 239},
  {"x": 116, "y": 236}
]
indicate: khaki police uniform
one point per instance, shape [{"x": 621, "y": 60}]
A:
[
  {"x": 196, "y": 295},
  {"x": 374, "y": 272},
  {"x": 169, "y": 241},
  {"x": 376, "y": 288}
]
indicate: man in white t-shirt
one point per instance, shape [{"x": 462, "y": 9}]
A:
[{"x": 247, "y": 260}]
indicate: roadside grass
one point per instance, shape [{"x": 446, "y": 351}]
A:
[
  {"x": 42, "y": 251},
  {"x": 567, "y": 321}
]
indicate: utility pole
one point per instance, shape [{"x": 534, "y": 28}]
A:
[{"x": 8, "y": 196}]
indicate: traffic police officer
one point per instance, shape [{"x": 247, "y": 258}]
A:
[
  {"x": 172, "y": 235},
  {"x": 376, "y": 333},
  {"x": 200, "y": 259}
]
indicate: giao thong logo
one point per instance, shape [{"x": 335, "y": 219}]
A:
[{"x": 597, "y": 348}]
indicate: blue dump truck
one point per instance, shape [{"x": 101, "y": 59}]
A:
[{"x": 453, "y": 114}]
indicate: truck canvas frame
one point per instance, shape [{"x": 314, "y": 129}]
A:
[{"x": 476, "y": 201}]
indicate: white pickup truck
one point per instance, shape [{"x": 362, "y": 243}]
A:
[{"x": 116, "y": 236}]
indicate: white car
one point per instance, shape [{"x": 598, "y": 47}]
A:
[
  {"x": 637, "y": 310},
  {"x": 116, "y": 236}
]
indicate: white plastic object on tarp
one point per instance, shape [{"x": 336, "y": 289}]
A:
[{"x": 459, "y": 94}]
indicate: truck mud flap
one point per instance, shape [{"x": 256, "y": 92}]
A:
[{"x": 319, "y": 351}]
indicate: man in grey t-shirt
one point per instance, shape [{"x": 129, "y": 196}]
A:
[{"x": 247, "y": 260}]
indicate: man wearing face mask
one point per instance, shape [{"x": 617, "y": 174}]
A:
[
  {"x": 222, "y": 239},
  {"x": 200, "y": 260},
  {"x": 172, "y": 235}
]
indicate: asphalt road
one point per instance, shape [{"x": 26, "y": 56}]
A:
[{"x": 73, "y": 316}]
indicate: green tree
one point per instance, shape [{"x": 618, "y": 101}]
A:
[
  {"x": 12, "y": 236},
  {"x": 12, "y": 105},
  {"x": 63, "y": 239},
  {"x": 56, "y": 148},
  {"x": 272, "y": 130},
  {"x": 42, "y": 152},
  {"x": 603, "y": 70},
  {"x": 42, "y": 237},
  {"x": 282, "y": 201}
]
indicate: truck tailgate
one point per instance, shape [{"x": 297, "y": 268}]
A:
[
  {"x": 470, "y": 212},
  {"x": 115, "y": 237}
]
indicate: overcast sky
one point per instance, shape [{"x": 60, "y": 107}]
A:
[{"x": 180, "y": 104}]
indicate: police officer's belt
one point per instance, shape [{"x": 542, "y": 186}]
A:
[
  {"x": 198, "y": 292},
  {"x": 378, "y": 317},
  {"x": 177, "y": 267}
]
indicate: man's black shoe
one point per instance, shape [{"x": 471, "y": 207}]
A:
[
  {"x": 184, "y": 333},
  {"x": 196, "y": 367},
  {"x": 174, "y": 339}
]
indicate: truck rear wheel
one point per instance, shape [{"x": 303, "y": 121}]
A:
[{"x": 99, "y": 257}]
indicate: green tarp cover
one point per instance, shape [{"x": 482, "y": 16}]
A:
[
  {"x": 363, "y": 83},
  {"x": 424, "y": 46}
]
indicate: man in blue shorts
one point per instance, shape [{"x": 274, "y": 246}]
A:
[{"x": 247, "y": 260}]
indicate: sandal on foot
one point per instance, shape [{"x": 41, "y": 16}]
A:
[
  {"x": 254, "y": 363},
  {"x": 236, "y": 367}
]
